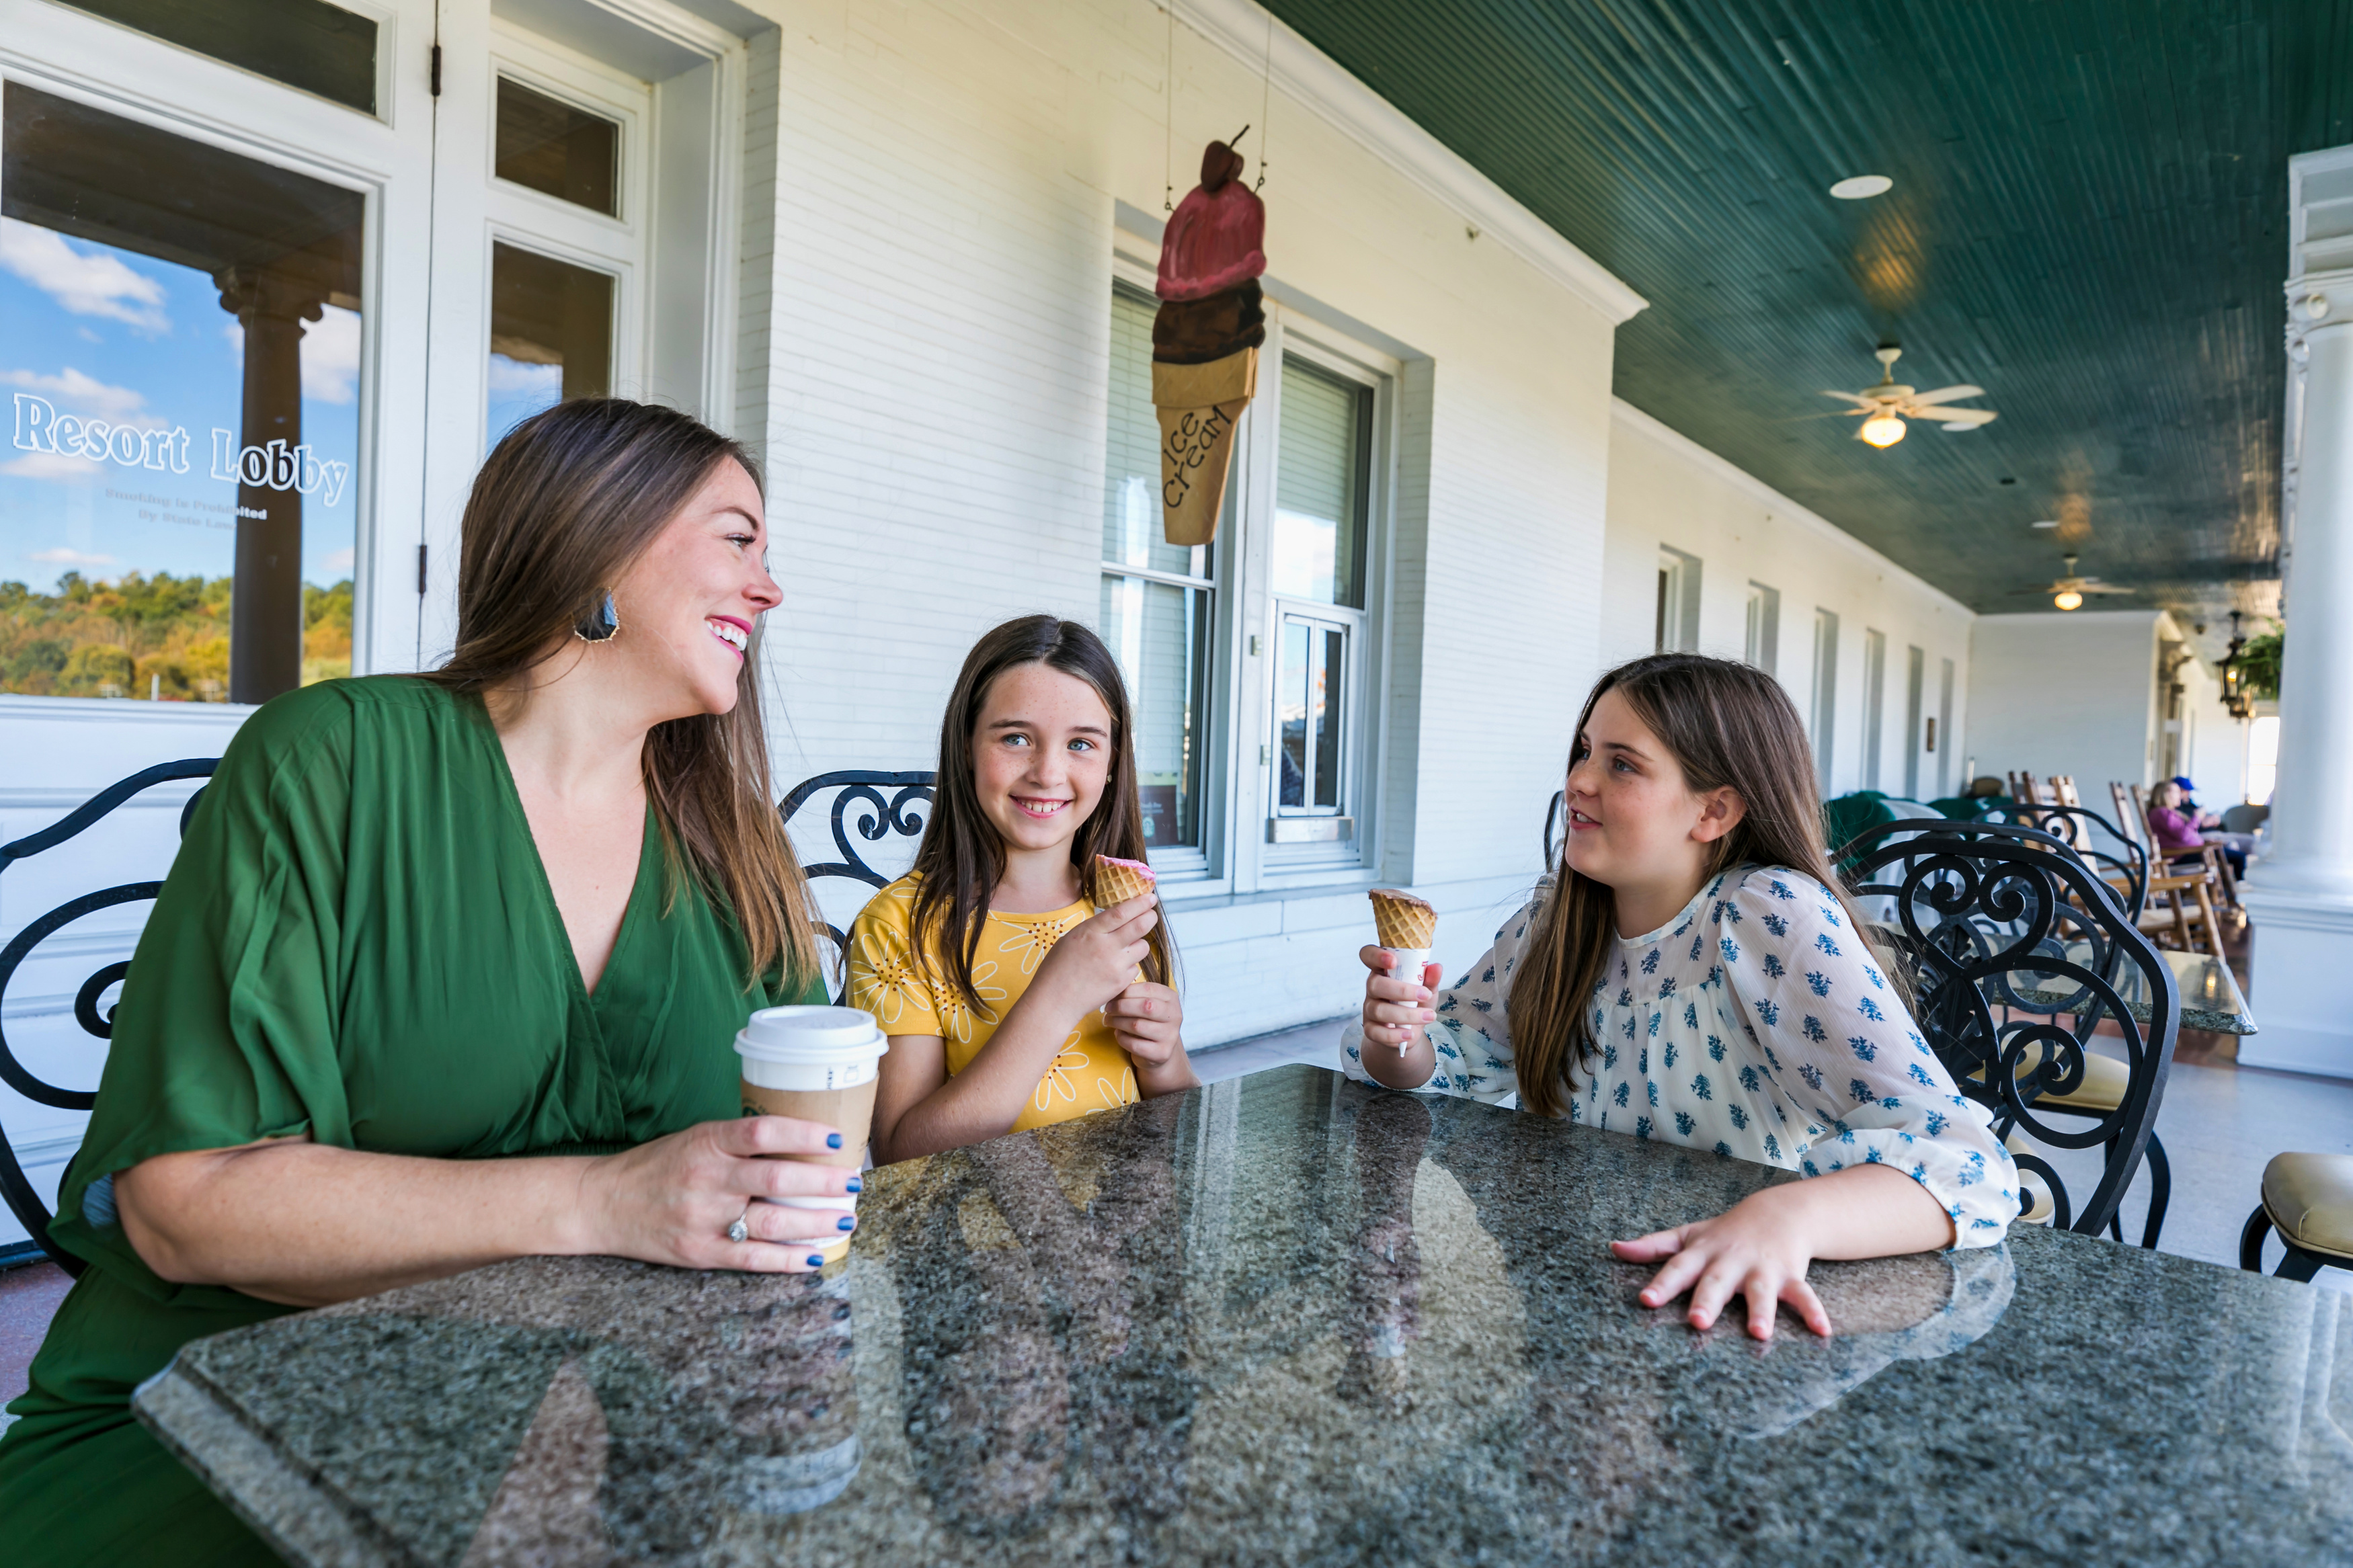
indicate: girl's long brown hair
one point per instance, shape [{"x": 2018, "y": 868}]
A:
[
  {"x": 1725, "y": 724},
  {"x": 569, "y": 498},
  {"x": 962, "y": 856}
]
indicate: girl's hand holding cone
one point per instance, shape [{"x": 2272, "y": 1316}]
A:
[
  {"x": 1397, "y": 1005},
  {"x": 1096, "y": 961}
]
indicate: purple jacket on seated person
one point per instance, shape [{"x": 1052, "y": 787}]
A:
[{"x": 2174, "y": 831}]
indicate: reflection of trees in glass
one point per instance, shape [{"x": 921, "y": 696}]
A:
[{"x": 148, "y": 635}]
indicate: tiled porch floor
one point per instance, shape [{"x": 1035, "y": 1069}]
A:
[{"x": 2220, "y": 1124}]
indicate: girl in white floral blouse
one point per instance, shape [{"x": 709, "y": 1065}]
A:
[{"x": 1693, "y": 973}]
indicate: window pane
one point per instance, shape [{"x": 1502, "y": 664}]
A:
[
  {"x": 1333, "y": 669},
  {"x": 308, "y": 43},
  {"x": 1160, "y": 634},
  {"x": 556, "y": 150},
  {"x": 1133, "y": 534},
  {"x": 551, "y": 335},
  {"x": 1319, "y": 483},
  {"x": 1291, "y": 683},
  {"x": 180, "y": 489}
]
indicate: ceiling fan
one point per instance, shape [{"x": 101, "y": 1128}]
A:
[
  {"x": 1887, "y": 404},
  {"x": 2067, "y": 592}
]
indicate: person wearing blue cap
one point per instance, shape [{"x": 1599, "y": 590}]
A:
[{"x": 2180, "y": 829}]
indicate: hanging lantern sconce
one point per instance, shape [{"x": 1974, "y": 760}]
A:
[{"x": 2236, "y": 696}]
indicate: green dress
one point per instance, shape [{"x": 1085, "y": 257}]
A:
[{"x": 358, "y": 942}]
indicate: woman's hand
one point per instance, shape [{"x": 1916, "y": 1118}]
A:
[
  {"x": 1761, "y": 1246},
  {"x": 1096, "y": 960},
  {"x": 672, "y": 1200},
  {"x": 1396, "y": 1006},
  {"x": 1148, "y": 1021}
]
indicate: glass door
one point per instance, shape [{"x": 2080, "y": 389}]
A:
[
  {"x": 190, "y": 292},
  {"x": 562, "y": 267}
]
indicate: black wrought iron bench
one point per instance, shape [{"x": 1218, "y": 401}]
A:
[
  {"x": 23, "y": 1201},
  {"x": 876, "y": 808}
]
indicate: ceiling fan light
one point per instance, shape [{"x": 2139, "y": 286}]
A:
[
  {"x": 1882, "y": 429},
  {"x": 2068, "y": 599}
]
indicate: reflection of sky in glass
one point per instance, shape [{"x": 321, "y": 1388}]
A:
[
  {"x": 1304, "y": 554},
  {"x": 102, "y": 332},
  {"x": 519, "y": 389}
]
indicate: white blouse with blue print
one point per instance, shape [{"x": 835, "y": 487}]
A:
[{"x": 1754, "y": 1023}]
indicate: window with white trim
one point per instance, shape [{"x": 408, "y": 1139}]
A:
[
  {"x": 1823, "y": 715},
  {"x": 1316, "y": 573},
  {"x": 1678, "y": 619},
  {"x": 1159, "y": 601},
  {"x": 1253, "y": 663},
  {"x": 1874, "y": 702},
  {"x": 1762, "y": 644}
]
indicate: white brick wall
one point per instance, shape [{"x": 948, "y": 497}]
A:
[
  {"x": 2096, "y": 666},
  {"x": 1667, "y": 491}
]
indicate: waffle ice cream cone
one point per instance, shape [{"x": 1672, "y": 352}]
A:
[
  {"x": 1406, "y": 924},
  {"x": 1199, "y": 405},
  {"x": 1116, "y": 881}
]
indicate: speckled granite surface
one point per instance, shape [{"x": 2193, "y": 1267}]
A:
[{"x": 1287, "y": 1319}]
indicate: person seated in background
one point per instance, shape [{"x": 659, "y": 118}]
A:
[{"x": 2175, "y": 824}]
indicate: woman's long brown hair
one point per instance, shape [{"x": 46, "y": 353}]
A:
[
  {"x": 1725, "y": 724},
  {"x": 565, "y": 502},
  {"x": 962, "y": 856}
]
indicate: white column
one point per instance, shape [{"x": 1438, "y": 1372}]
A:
[{"x": 2300, "y": 897}]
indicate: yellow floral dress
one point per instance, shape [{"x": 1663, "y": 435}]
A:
[{"x": 911, "y": 994}]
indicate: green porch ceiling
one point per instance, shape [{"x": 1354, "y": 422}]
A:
[{"x": 2089, "y": 220}]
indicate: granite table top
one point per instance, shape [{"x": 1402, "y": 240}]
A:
[
  {"x": 1287, "y": 1319},
  {"x": 2210, "y": 994}
]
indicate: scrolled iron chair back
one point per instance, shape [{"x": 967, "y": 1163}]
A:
[
  {"x": 23, "y": 1200},
  {"x": 1994, "y": 921},
  {"x": 862, "y": 807},
  {"x": 2074, "y": 826}
]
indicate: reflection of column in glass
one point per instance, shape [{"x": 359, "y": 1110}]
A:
[{"x": 265, "y": 642}]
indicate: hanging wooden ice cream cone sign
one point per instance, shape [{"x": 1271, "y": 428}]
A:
[
  {"x": 1205, "y": 341},
  {"x": 1199, "y": 406}
]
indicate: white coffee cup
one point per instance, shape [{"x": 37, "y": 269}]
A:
[{"x": 818, "y": 1064}]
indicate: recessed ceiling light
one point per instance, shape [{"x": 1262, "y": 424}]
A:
[
  {"x": 1859, "y": 187},
  {"x": 2047, "y": 522}
]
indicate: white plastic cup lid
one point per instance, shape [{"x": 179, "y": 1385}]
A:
[{"x": 802, "y": 1034}]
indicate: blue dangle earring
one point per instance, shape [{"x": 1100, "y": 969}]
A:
[{"x": 602, "y": 623}]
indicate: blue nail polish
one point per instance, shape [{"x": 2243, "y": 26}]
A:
[
  {"x": 854, "y": 1185},
  {"x": 817, "y": 1260},
  {"x": 833, "y": 1139},
  {"x": 845, "y": 1221}
]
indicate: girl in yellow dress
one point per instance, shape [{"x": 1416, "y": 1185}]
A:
[{"x": 1010, "y": 1000}]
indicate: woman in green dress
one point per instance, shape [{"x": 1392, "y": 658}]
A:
[{"x": 448, "y": 970}]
